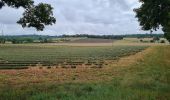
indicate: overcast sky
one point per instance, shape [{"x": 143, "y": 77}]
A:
[{"x": 79, "y": 17}]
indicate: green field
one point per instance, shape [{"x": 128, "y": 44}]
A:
[{"x": 22, "y": 56}]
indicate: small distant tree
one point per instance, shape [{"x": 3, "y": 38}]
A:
[
  {"x": 154, "y": 13},
  {"x": 162, "y": 41},
  {"x": 152, "y": 41},
  {"x": 141, "y": 40},
  {"x": 37, "y": 16}
]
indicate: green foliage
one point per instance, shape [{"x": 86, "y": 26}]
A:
[
  {"x": 21, "y": 40},
  {"x": 2, "y": 40},
  {"x": 116, "y": 37},
  {"x": 166, "y": 29},
  {"x": 162, "y": 41},
  {"x": 27, "y": 39},
  {"x": 36, "y": 16},
  {"x": 152, "y": 41},
  {"x": 16, "y": 3},
  {"x": 154, "y": 13},
  {"x": 17, "y": 41},
  {"x": 32, "y": 37},
  {"x": 67, "y": 38}
]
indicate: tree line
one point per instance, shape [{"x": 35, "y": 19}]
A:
[
  {"x": 25, "y": 39},
  {"x": 49, "y": 39},
  {"x": 117, "y": 37}
]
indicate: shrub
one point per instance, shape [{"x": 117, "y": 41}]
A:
[
  {"x": 48, "y": 67},
  {"x": 152, "y": 41},
  {"x": 162, "y": 41}
]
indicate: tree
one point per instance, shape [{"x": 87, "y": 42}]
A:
[
  {"x": 154, "y": 14},
  {"x": 37, "y": 16}
]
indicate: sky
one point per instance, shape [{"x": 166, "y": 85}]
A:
[{"x": 101, "y": 17}]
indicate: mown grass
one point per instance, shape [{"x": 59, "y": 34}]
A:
[{"x": 147, "y": 80}]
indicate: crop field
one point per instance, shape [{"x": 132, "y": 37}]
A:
[{"x": 24, "y": 56}]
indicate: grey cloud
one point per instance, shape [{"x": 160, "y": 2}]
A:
[
  {"x": 80, "y": 16},
  {"x": 9, "y": 15}
]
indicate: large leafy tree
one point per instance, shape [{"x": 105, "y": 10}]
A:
[
  {"x": 154, "y": 14},
  {"x": 37, "y": 16}
]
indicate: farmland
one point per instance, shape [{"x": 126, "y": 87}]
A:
[
  {"x": 24, "y": 56},
  {"x": 119, "y": 70},
  {"x": 143, "y": 75}
]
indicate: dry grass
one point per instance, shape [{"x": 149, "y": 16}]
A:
[{"x": 133, "y": 59}]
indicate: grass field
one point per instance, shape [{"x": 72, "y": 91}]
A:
[
  {"x": 146, "y": 79},
  {"x": 22, "y": 56}
]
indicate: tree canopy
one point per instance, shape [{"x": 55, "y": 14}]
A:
[
  {"x": 37, "y": 16},
  {"x": 154, "y": 14}
]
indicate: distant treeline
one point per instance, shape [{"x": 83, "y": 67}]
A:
[
  {"x": 19, "y": 39},
  {"x": 144, "y": 35},
  {"x": 116, "y": 36},
  {"x": 25, "y": 39}
]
